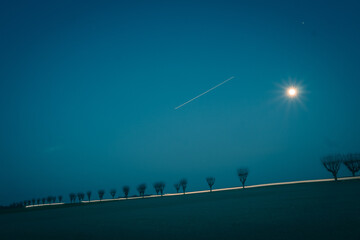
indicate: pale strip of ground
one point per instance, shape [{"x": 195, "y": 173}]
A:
[{"x": 206, "y": 191}]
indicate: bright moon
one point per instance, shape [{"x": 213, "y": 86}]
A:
[{"x": 292, "y": 92}]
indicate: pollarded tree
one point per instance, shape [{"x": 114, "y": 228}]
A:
[
  {"x": 243, "y": 173},
  {"x": 60, "y": 198},
  {"x": 332, "y": 163},
  {"x": 141, "y": 189},
  {"x": 177, "y": 187},
  {"x": 210, "y": 181},
  {"x": 101, "y": 194},
  {"x": 126, "y": 190},
  {"x": 72, "y": 197},
  {"x": 81, "y": 196},
  {"x": 183, "y": 184},
  {"x": 162, "y": 187},
  {"x": 352, "y": 162},
  {"x": 113, "y": 192},
  {"x": 88, "y": 193},
  {"x": 157, "y": 187}
]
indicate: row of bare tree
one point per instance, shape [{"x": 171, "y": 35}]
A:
[
  {"x": 40, "y": 201},
  {"x": 158, "y": 186},
  {"x": 333, "y": 162}
]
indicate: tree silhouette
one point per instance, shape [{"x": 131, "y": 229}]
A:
[
  {"x": 126, "y": 190},
  {"x": 38, "y": 201},
  {"x": 88, "y": 193},
  {"x": 159, "y": 188},
  {"x": 33, "y": 201},
  {"x": 49, "y": 199},
  {"x": 60, "y": 198},
  {"x": 332, "y": 163},
  {"x": 101, "y": 194},
  {"x": 162, "y": 187},
  {"x": 81, "y": 196},
  {"x": 72, "y": 197},
  {"x": 183, "y": 184},
  {"x": 352, "y": 162},
  {"x": 210, "y": 181},
  {"x": 177, "y": 187},
  {"x": 43, "y": 200},
  {"x": 141, "y": 189},
  {"x": 243, "y": 173},
  {"x": 113, "y": 192}
]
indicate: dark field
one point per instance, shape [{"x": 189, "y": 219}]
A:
[{"x": 326, "y": 210}]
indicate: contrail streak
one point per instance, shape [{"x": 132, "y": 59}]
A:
[{"x": 204, "y": 92}]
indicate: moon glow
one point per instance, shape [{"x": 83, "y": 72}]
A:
[{"x": 292, "y": 92}]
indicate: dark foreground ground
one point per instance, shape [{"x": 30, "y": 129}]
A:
[{"x": 328, "y": 210}]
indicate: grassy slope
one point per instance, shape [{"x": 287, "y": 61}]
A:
[{"x": 327, "y": 210}]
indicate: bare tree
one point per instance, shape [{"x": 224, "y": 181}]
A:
[
  {"x": 72, "y": 197},
  {"x": 210, "y": 181},
  {"x": 177, "y": 187},
  {"x": 60, "y": 198},
  {"x": 141, "y": 189},
  {"x": 126, "y": 190},
  {"x": 162, "y": 187},
  {"x": 352, "y": 162},
  {"x": 332, "y": 163},
  {"x": 157, "y": 188},
  {"x": 88, "y": 193},
  {"x": 243, "y": 173},
  {"x": 183, "y": 184},
  {"x": 81, "y": 196},
  {"x": 113, "y": 192},
  {"x": 101, "y": 194}
]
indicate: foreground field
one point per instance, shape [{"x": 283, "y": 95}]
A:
[{"x": 323, "y": 210}]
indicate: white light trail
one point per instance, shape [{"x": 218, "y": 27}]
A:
[
  {"x": 204, "y": 92},
  {"x": 45, "y": 204}
]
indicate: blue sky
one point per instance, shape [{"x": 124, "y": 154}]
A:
[{"x": 88, "y": 91}]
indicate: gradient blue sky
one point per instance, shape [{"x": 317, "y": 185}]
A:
[{"x": 88, "y": 90}]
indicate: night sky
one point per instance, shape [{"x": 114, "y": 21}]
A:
[{"x": 88, "y": 91}]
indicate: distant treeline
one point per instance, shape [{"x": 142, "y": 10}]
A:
[{"x": 331, "y": 163}]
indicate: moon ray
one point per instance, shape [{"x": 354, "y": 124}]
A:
[{"x": 204, "y": 92}]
